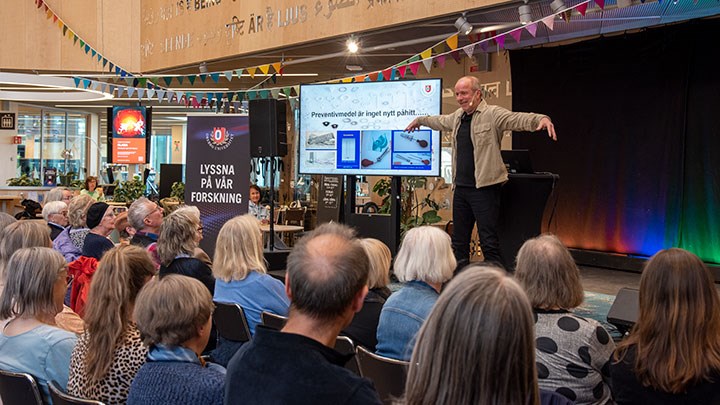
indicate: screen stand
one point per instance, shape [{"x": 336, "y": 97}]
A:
[
  {"x": 384, "y": 227},
  {"x": 272, "y": 204}
]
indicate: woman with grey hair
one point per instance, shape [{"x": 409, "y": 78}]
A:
[
  {"x": 70, "y": 241},
  {"x": 31, "y": 343},
  {"x": 63, "y": 194},
  {"x": 425, "y": 261},
  {"x": 55, "y": 214},
  {"x": 573, "y": 353}
]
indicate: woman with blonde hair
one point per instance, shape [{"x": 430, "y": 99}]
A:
[
  {"x": 240, "y": 272},
  {"x": 672, "y": 355},
  {"x": 363, "y": 328},
  {"x": 476, "y": 346},
  {"x": 573, "y": 352},
  {"x": 70, "y": 241},
  {"x": 110, "y": 352},
  {"x": 174, "y": 315},
  {"x": 33, "y": 296},
  {"x": 180, "y": 234},
  {"x": 425, "y": 261}
]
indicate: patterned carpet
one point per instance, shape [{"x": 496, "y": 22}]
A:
[{"x": 596, "y": 306}]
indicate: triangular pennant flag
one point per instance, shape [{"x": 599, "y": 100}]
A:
[
  {"x": 428, "y": 64},
  {"x": 297, "y": 89},
  {"x": 82, "y": 44},
  {"x": 500, "y": 41},
  {"x": 123, "y": 73},
  {"x": 265, "y": 69},
  {"x": 87, "y": 48},
  {"x": 275, "y": 93},
  {"x": 264, "y": 94},
  {"x": 215, "y": 77},
  {"x": 77, "y": 81},
  {"x": 426, "y": 54},
  {"x": 55, "y": 18},
  {"x": 549, "y": 21},
  {"x": 441, "y": 61},
  {"x": 99, "y": 57},
  {"x": 218, "y": 97},
  {"x": 401, "y": 70},
  {"x": 484, "y": 46},
  {"x": 581, "y": 8},
  {"x": 75, "y": 39},
  {"x": 452, "y": 42},
  {"x": 516, "y": 35},
  {"x": 203, "y": 77},
  {"x": 386, "y": 74},
  {"x": 65, "y": 29},
  {"x": 373, "y": 76},
  {"x": 238, "y": 73},
  {"x": 600, "y": 3},
  {"x": 160, "y": 95},
  {"x": 154, "y": 81},
  {"x": 456, "y": 55},
  {"x": 60, "y": 25},
  {"x": 469, "y": 50},
  {"x": 151, "y": 93},
  {"x": 228, "y": 75},
  {"x": 170, "y": 96},
  {"x": 359, "y": 79},
  {"x": 130, "y": 91},
  {"x": 251, "y": 71},
  {"x": 532, "y": 29},
  {"x": 140, "y": 93},
  {"x": 439, "y": 48},
  {"x": 414, "y": 59},
  {"x": 471, "y": 37},
  {"x": 111, "y": 68},
  {"x": 93, "y": 53},
  {"x": 273, "y": 78},
  {"x": 393, "y": 74},
  {"x": 414, "y": 68},
  {"x": 103, "y": 87},
  {"x": 251, "y": 94},
  {"x": 130, "y": 81},
  {"x": 111, "y": 89},
  {"x": 142, "y": 82},
  {"x": 277, "y": 66},
  {"x": 167, "y": 81},
  {"x": 39, "y": 3},
  {"x": 191, "y": 79},
  {"x": 241, "y": 95},
  {"x": 86, "y": 83},
  {"x": 95, "y": 85},
  {"x": 180, "y": 79}
]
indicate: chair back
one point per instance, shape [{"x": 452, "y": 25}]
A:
[
  {"x": 230, "y": 322},
  {"x": 344, "y": 345},
  {"x": 60, "y": 397},
  {"x": 387, "y": 374},
  {"x": 273, "y": 321},
  {"x": 295, "y": 216},
  {"x": 19, "y": 389}
]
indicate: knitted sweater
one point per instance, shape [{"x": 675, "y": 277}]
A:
[{"x": 171, "y": 382}]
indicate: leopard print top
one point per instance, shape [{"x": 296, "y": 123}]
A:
[{"x": 114, "y": 388}]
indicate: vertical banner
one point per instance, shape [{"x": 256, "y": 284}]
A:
[{"x": 216, "y": 172}]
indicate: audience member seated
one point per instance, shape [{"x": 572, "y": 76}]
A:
[
  {"x": 363, "y": 328},
  {"x": 254, "y": 208},
  {"x": 70, "y": 241},
  {"x": 55, "y": 214},
  {"x": 63, "y": 194},
  {"x": 326, "y": 282},
  {"x": 174, "y": 315},
  {"x": 25, "y": 234},
  {"x": 425, "y": 261},
  {"x": 6, "y": 219},
  {"x": 672, "y": 355},
  {"x": 91, "y": 189},
  {"x": 124, "y": 229},
  {"x": 145, "y": 217},
  {"x": 572, "y": 353},
  {"x": 101, "y": 222},
  {"x": 195, "y": 212},
  {"x": 30, "y": 342},
  {"x": 180, "y": 234},
  {"x": 110, "y": 352}
]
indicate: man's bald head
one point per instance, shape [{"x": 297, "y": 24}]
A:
[{"x": 326, "y": 270}]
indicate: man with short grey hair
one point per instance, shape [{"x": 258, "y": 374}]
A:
[
  {"x": 326, "y": 282},
  {"x": 56, "y": 215},
  {"x": 146, "y": 217}
]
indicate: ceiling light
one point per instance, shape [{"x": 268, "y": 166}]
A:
[
  {"x": 525, "y": 13},
  {"x": 72, "y": 92},
  {"x": 558, "y": 6},
  {"x": 462, "y": 25},
  {"x": 353, "y": 68},
  {"x": 352, "y": 45},
  {"x": 203, "y": 68}
]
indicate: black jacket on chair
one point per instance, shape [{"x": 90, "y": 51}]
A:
[{"x": 191, "y": 267}]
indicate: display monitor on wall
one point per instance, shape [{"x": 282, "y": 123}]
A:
[
  {"x": 359, "y": 128},
  {"x": 128, "y": 130}
]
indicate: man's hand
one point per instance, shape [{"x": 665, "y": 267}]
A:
[
  {"x": 545, "y": 123},
  {"x": 413, "y": 126}
]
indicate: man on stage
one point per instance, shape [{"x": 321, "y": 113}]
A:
[{"x": 477, "y": 165}]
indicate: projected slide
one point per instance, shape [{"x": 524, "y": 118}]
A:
[{"x": 358, "y": 128}]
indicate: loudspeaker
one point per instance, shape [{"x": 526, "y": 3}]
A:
[
  {"x": 268, "y": 128},
  {"x": 624, "y": 311}
]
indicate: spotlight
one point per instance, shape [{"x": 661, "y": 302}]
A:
[
  {"x": 462, "y": 25},
  {"x": 203, "y": 68},
  {"x": 352, "y": 45},
  {"x": 558, "y": 6},
  {"x": 525, "y": 14}
]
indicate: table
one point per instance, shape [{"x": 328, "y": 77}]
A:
[
  {"x": 7, "y": 201},
  {"x": 282, "y": 229}
]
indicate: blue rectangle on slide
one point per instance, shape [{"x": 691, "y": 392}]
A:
[{"x": 348, "y": 156}]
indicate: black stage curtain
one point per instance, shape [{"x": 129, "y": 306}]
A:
[{"x": 637, "y": 117}]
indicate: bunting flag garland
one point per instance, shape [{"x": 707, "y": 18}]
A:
[
  {"x": 456, "y": 56},
  {"x": 500, "y": 41},
  {"x": 278, "y": 67},
  {"x": 251, "y": 71},
  {"x": 401, "y": 70},
  {"x": 549, "y": 21},
  {"x": 581, "y": 8},
  {"x": 228, "y": 75},
  {"x": 600, "y": 3},
  {"x": 264, "y": 69},
  {"x": 516, "y": 35},
  {"x": 441, "y": 61},
  {"x": 414, "y": 68},
  {"x": 452, "y": 42},
  {"x": 469, "y": 50},
  {"x": 532, "y": 29},
  {"x": 428, "y": 64}
]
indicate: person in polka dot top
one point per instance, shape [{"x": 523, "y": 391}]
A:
[{"x": 572, "y": 353}]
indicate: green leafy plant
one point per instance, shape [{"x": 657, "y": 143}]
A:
[
  {"x": 413, "y": 211},
  {"x": 178, "y": 191},
  {"x": 23, "y": 181},
  {"x": 67, "y": 179},
  {"x": 129, "y": 191}
]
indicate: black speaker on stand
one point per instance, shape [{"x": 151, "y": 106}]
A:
[{"x": 268, "y": 138}]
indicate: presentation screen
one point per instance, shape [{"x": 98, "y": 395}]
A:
[
  {"x": 359, "y": 128},
  {"x": 129, "y": 134}
]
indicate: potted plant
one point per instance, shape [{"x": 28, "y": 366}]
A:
[
  {"x": 23, "y": 181},
  {"x": 413, "y": 212}
]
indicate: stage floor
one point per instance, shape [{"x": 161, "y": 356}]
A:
[{"x": 606, "y": 281}]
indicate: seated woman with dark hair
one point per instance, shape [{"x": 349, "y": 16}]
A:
[
  {"x": 363, "y": 328},
  {"x": 477, "y": 346},
  {"x": 174, "y": 315},
  {"x": 672, "y": 355},
  {"x": 110, "y": 352},
  {"x": 30, "y": 342},
  {"x": 572, "y": 352},
  {"x": 424, "y": 263}
]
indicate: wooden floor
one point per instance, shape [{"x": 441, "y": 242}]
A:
[{"x": 606, "y": 281}]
